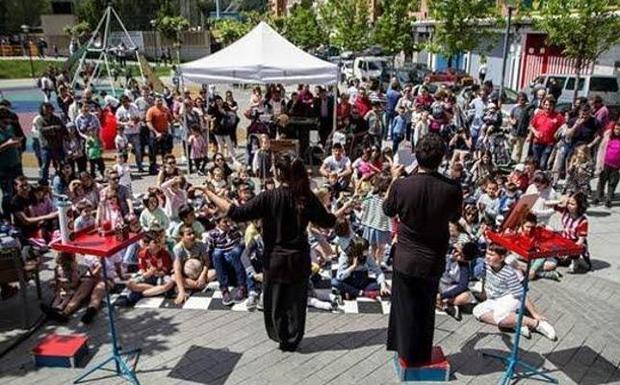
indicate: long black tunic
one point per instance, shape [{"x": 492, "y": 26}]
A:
[{"x": 424, "y": 203}]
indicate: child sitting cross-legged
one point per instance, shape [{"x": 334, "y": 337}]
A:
[
  {"x": 352, "y": 277},
  {"x": 154, "y": 267},
  {"x": 453, "y": 285},
  {"x": 225, "y": 248},
  {"x": 503, "y": 292},
  {"x": 191, "y": 264}
]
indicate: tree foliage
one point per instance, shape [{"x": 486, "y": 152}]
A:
[
  {"x": 346, "y": 23},
  {"x": 394, "y": 28},
  {"x": 136, "y": 15},
  {"x": 80, "y": 31},
  {"x": 462, "y": 25},
  {"x": 172, "y": 26},
  {"x": 14, "y": 13},
  {"x": 584, "y": 29},
  {"x": 228, "y": 31},
  {"x": 302, "y": 28}
]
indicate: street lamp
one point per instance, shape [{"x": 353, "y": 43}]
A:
[
  {"x": 154, "y": 25},
  {"x": 25, "y": 29},
  {"x": 506, "y": 47}
]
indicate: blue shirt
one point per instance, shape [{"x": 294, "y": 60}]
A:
[
  {"x": 399, "y": 126},
  {"x": 392, "y": 99}
]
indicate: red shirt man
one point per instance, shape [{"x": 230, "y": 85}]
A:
[
  {"x": 158, "y": 118},
  {"x": 546, "y": 123}
]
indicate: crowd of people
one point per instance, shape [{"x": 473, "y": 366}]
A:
[{"x": 189, "y": 241}]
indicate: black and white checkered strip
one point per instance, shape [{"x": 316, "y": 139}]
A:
[{"x": 211, "y": 299}]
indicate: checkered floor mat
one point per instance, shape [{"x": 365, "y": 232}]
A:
[{"x": 211, "y": 299}]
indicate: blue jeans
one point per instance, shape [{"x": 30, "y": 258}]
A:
[
  {"x": 136, "y": 143},
  {"x": 396, "y": 139},
  {"x": 541, "y": 154},
  {"x": 233, "y": 258},
  {"x": 358, "y": 280},
  {"x": 48, "y": 156}
]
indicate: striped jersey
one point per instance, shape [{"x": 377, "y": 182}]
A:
[
  {"x": 224, "y": 241},
  {"x": 503, "y": 282},
  {"x": 574, "y": 228},
  {"x": 372, "y": 213}
]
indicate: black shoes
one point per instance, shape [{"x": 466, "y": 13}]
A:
[{"x": 89, "y": 315}]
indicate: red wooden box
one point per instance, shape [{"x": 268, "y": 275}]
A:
[
  {"x": 437, "y": 370},
  {"x": 68, "y": 351}
]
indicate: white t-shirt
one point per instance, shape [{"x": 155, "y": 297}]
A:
[
  {"x": 126, "y": 116},
  {"x": 92, "y": 261},
  {"x": 338, "y": 166}
]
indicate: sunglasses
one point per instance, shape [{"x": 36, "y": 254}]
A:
[
  {"x": 116, "y": 179},
  {"x": 171, "y": 163}
]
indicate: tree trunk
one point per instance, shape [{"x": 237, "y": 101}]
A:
[{"x": 578, "y": 66}]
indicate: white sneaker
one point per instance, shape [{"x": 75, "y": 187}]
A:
[
  {"x": 525, "y": 332},
  {"x": 546, "y": 330}
]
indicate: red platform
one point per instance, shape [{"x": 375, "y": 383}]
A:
[
  {"x": 88, "y": 241},
  {"x": 542, "y": 243},
  {"x": 61, "y": 350},
  {"x": 437, "y": 370}
]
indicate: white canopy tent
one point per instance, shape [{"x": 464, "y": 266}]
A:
[{"x": 260, "y": 57}]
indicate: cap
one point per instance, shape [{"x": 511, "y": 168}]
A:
[{"x": 520, "y": 167}]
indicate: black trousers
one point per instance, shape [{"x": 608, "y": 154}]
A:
[
  {"x": 412, "y": 317},
  {"x": 609, "y": 178},
  {"x": 285, "y": 311}
]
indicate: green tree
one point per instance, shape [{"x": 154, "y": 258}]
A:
[
  {"x": 14, "y": 13},
  {"x": 228, "y": 31},
  {"x": 461, "y": 25},
  {"x": 302, "y": 28},
  {"x": 172, "y": 27},
  {"x": 80, "y": 31},
  {"x": 584, "y": 29},
  {"x": 394, "y": 28},
  {"x": 346, "y": 23}
]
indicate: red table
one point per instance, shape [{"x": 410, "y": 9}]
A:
[{"x": 88, "y": 241}]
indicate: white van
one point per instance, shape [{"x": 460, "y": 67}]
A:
[
  {"x": 607, "y": 86},
  {"x": 369, "y": 67}
]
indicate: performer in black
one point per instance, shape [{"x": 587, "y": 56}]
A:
[
  {"x": 285, "y": 213},
  {"x": 424, "y": 202}
]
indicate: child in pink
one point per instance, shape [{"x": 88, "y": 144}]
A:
[{"x": 197, "y": 148}]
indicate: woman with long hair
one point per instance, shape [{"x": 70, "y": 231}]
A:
[{"x": 285, "y": 213}]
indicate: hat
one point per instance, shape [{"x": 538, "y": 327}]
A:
[
  {"x": 111, "y": 100},
  {"x": 520, "y": 167}
]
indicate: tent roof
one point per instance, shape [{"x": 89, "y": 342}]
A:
[{"x": 261, "y": 56}]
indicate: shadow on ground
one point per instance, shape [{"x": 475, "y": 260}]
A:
[{"x": 205, "y": 366}]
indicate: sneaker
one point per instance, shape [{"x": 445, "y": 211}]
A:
[
  {"x": 546, "y": 330},
  {"x": 252, "y": 301},
  {"x": 89, "y": 315},
  {"x": 227, "y": 299},
  {"x": 553, "y": 275},
  {"x": 239, "y": 296},
  {"x": 525, "y": 332},
  {"x": 572, "y": 268},
  {"x": 608, "y": 204},
  {"x": 259, "y": 305},
  {"x": 454, "y": 312}
]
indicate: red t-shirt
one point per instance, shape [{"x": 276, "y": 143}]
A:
[
  {"x": 161, "y": 261},
  {"x": 160, "y": 118},
  {"x": 363, "y": 105},
  {"x": 547, "y": 124}
]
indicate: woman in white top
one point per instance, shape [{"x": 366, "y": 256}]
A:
[{"x": 547, "y": 197}]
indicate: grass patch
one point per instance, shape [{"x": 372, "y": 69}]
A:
[{"x": 20, "y": 69}]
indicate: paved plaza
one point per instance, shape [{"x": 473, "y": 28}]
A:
[{"x": 182, "y": 346}]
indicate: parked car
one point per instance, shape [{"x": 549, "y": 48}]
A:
[{"x": 607, "y": 86}]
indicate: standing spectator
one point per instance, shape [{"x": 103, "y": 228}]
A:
[
  {"x": 233, "y": 108},
  {"x": 158, "y": 120},
  {"x": 10, "y": 162},
  {"x": 610, "y": 175},
  {"x": 544, "y": 126},
  {"x": 128, "y": 117},
  {"x": 519, "y": 122},
  {"x": 392, "y": 95},
  {"x": 87, "y": 121},
  {"x": 600, "y": 110},
  {"x": 324, "y": 110},
  {"x": 52, "y": 133}
]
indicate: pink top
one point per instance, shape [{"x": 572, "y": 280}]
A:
[
  {"x": 44, "y": 207},
  {"x": 197, "y": 147},
  {"x": 612, "y": 156}
]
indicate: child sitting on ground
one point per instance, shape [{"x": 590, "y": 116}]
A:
[
  {"x": 154, "y": 267},
  {"x": 488, "y": 203},
  {"x": 539, "y": 268},
  {"x": 453, "y": 285},
  {"x": 66, "y": 279},
  {"x": 575, "y": 223},
  {"x": 503, "y": 292},
  {"x": 191, "y": 264},
  {"x": 225, "y": 248},
  {"x": 352, "y": 277}
]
